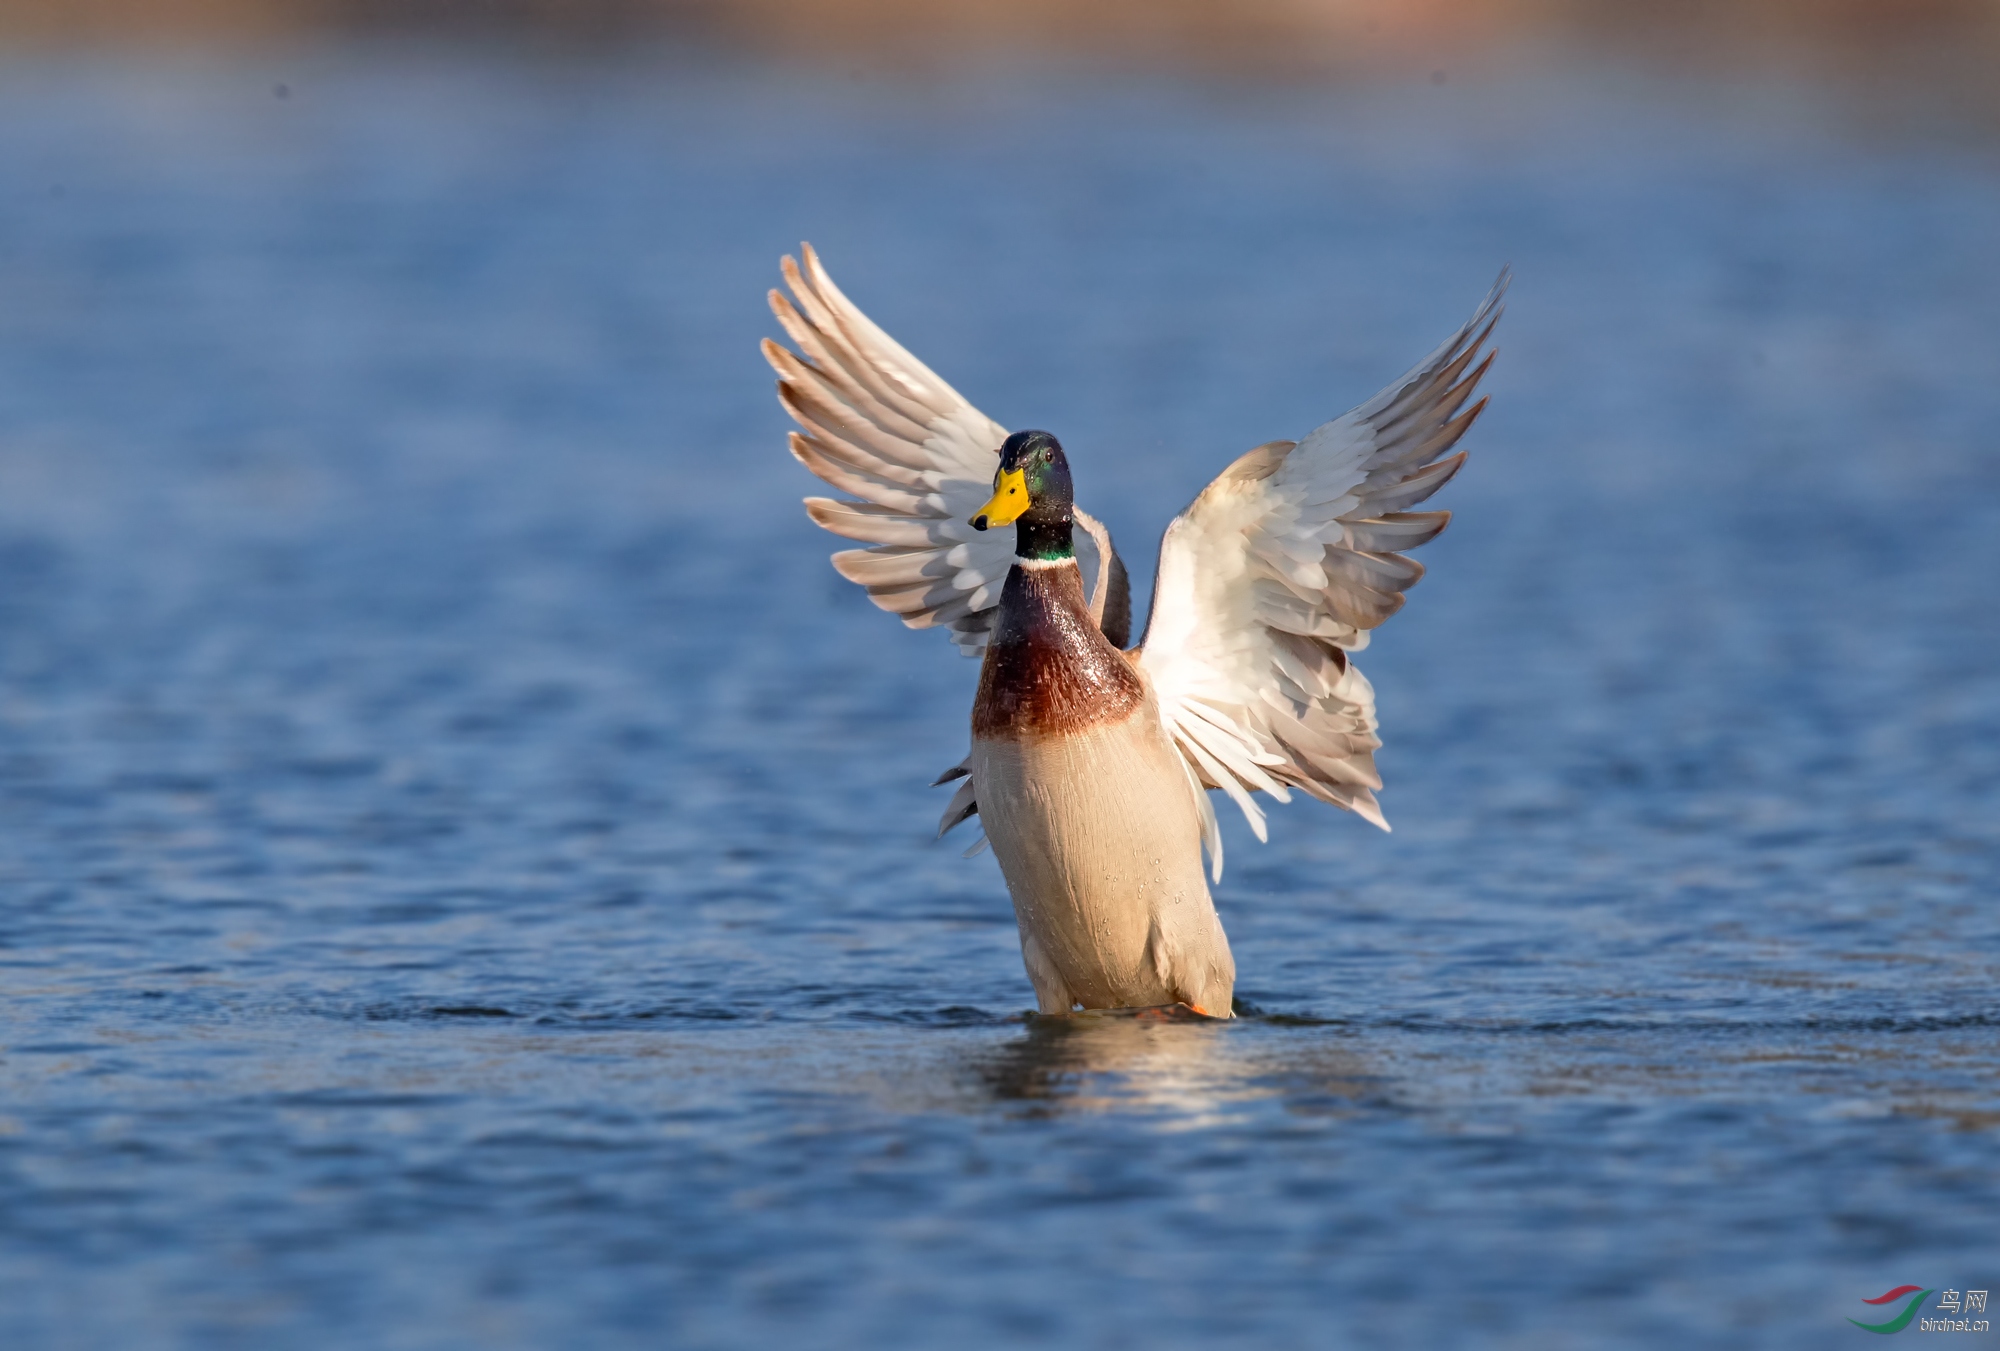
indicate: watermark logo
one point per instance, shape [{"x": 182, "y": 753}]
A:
[
  {"x": 1901, "y": 1320},
  {"x": 1949, "y": 1302}
]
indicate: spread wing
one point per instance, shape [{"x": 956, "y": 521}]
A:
[
  {"x": 1281, "y": 568},
  {"x": 917, "y": 459}
]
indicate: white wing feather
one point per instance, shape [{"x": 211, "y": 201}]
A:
[
  {"x": 880, "y": 426},
  {"x": 1281, "y": 568}
]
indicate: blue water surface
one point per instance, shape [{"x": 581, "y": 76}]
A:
[{"x": 465, "y": 862}]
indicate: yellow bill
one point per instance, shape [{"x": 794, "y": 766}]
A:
[{"x": 1010, "y": 499}]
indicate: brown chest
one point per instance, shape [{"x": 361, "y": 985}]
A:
[{"x": 1048, "y": 670}]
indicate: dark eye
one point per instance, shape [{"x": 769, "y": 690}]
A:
[{"x": 1048, "y": 454}]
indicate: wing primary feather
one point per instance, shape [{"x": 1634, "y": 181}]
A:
[
  {"x": 1419, "y": 396},
  {"x": 841, "y": 382},
  {"x": 860, "y": 483},
  {"x": 1211, "y": 830},
  {"x": 835, "y": 335},
  {"x": 1417, "y": 487},
  {"x": 921, "y": 374},
  {"x": 1445, "y": 404},
  {"x": 888, "y": 371},
  {"x": 867, "y": 521},
  {"x": 1395, "y": 531},
  {"x": 854, "y": 457},
  {"x": 808, "y": 404},
  {"x": 1441, "y": 439},
  {"x": 890, "y": 565},
  {"x": 1227, "y": 782},
  {"x": 963, "y": 805},
  {"x": 821, "y": 340}
]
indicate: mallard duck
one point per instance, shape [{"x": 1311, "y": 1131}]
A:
[{"x": 1091, "y": 762}]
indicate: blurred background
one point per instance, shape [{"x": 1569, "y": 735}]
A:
[
  {"x": 1933, "y": 55},
  {"x": 465, "y": 860},
  {"x": 1291, "y": 36}
]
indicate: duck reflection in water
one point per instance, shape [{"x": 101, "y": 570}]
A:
[{"x": 1166, "y": 1061}]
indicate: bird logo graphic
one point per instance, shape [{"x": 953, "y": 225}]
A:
[{"x": 1901, "y": 1320}]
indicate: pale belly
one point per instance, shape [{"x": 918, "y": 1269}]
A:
[{"x": 1098, "y": 837}]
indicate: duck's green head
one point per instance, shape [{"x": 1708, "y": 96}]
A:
[{"x": 1032, "y": 492}]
